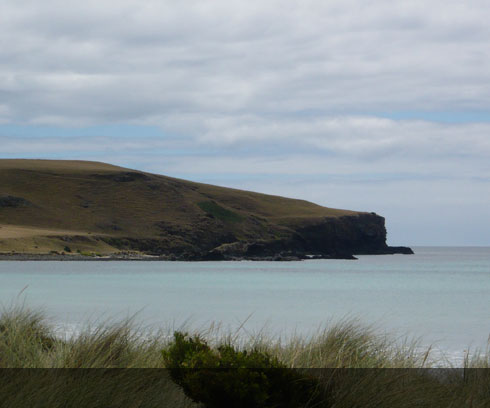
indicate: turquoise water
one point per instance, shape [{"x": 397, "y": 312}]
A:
[{"x": 439, "y": 294}]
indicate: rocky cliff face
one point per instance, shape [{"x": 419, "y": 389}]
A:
[
  {"x": 361, "y": 234},
  {"x": 340, "y": 237}
]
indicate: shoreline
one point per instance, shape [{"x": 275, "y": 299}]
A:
[
  {"x": 193, "y": 257},
  {"x": 71, "y": 258},
  {"x": 149, "y": 258},
  {"x": 154, "y": 258}
]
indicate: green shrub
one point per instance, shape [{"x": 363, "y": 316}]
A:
[
  {"x": 221, "y": 213},
  {"x": 226, "y": 377}
]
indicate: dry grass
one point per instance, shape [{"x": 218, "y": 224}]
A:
[
  {"x": 14, "y": 231},
  {"x": 56, "y": 165},
  {"x": 364, "y": 369},
  {"x": 102, "y": 356},
  {"x": 346, "y": 344}
]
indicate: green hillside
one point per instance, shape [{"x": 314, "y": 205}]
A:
[{"x": 48, "y": 205}]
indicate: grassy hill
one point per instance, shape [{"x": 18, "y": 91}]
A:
[{"x": 80, "y": 206}]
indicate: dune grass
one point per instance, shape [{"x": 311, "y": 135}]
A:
[{"x": 118, "y": 365}]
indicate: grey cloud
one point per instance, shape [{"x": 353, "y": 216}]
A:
[
  {"x": 246, "y": 57},
  {"x": 353, "y": 135}
]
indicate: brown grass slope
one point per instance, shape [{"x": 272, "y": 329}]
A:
[{"x": 92, "y": 204}]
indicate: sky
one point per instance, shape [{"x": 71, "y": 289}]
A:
[{"x": 374, "y": 105}]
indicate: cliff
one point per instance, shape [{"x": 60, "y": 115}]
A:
[{"x": 76, "y": 207}]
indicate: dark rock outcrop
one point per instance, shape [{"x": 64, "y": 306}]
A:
[
  {"x": 363, "y": 234},
  {"x": 15, "y": 202},
  {"x": 123, "y": 177}
]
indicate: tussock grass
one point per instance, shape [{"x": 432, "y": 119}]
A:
[
  {"x": 25, "y": 338},
  {"x": 119, "y": 365},
  {"x": 346, "y": 344},
  {"x": 91, "y": 369}
]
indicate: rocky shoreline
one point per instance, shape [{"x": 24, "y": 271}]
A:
[
  {"x": 77, "y": 257},
  {"x": 126, "y": 256}
]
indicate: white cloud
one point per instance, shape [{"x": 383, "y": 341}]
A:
[
  {"x": 302, "y": 89},
  {"x": 241, "y": 57}
]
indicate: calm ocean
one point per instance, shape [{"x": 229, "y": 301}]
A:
[{"x": 441, "y": 295}]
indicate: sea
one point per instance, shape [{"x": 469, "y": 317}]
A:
[{"x": 439, "y": 295}]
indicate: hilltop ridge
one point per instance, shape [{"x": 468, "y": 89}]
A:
[{"x": 81, "y": 207}]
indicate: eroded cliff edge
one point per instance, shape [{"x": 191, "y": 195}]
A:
[
  {"x": 331, "y": 237},
  {"x": 77, "y": 208}
]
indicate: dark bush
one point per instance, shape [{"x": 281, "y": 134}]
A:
[
  {"x": 226, "y": 377},
  {"x": 212, "y": 209},
  {"x": 11, "y": 201}
]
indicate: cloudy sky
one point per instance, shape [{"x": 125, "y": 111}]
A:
[{"x": 371, "y": 105}]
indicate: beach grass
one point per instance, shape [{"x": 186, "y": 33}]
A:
[{"x": 119, "y": 364}]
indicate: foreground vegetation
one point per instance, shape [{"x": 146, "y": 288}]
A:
[{"x": 346, "y": 365}]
